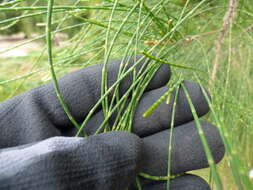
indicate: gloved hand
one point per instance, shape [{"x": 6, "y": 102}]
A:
[{"x": 36, "y": 151}]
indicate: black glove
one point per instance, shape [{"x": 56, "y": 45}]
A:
[{"x": 32, "y": 157}]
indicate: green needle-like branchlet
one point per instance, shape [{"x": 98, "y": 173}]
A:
[
  {"x": 169, "y": 63},
  {"x": 204, "y": 141},
  {"x": 159, "y": 178},
  {"x": 166, "y": 96},
  {"x": 50, "y": 60}
]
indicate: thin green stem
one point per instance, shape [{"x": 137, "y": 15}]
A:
[
  {"x": 203, "y": 140},
  {"x": 171, "y": 136},
  {"x": 77, "y": 8},
  {"x": 159, "y": 178},
  {"x": 11, "y": 3},
  {"x": 169, "y": 63},
  {"x": 50, "y": 60}
]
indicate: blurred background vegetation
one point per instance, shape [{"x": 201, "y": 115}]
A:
[
  {"x": 29, "y": 26},
  {"x": 212, "y": 35}
]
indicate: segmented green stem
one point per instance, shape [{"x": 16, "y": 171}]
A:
[
  {"x": 171, "y": 135},
  {"x": 169, "y": 63},
  {"x": 10, "y": 3},
  {"x": 118, "y": 104},
  {"x": 41, "y": 8},
  {"x": 167, "y": 95},
  {"x": 233, "y": 159},
  {"x": 159, "y": 178},
  {"x": 138, "y": 183},
  {"x": 204, "y": 141},
  {"x": 50, "y": 60}
]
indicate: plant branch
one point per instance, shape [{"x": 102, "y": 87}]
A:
[
  {"x": 50, "y": 60},
  {"x": 227, "y": 22}
]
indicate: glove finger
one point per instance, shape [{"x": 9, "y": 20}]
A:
[
  {"x": 108, "y": 161},
  {"x": 187, "y": 150},
  {"x": 160, "y": 119},
  {"x": 37, "y": 114},
  {"x": 184, "y": 182}
]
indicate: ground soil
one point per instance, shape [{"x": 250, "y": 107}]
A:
[{"x": 7, "y": 42}]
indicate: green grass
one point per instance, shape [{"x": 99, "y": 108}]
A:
[{"x": 183, "y": 34}]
